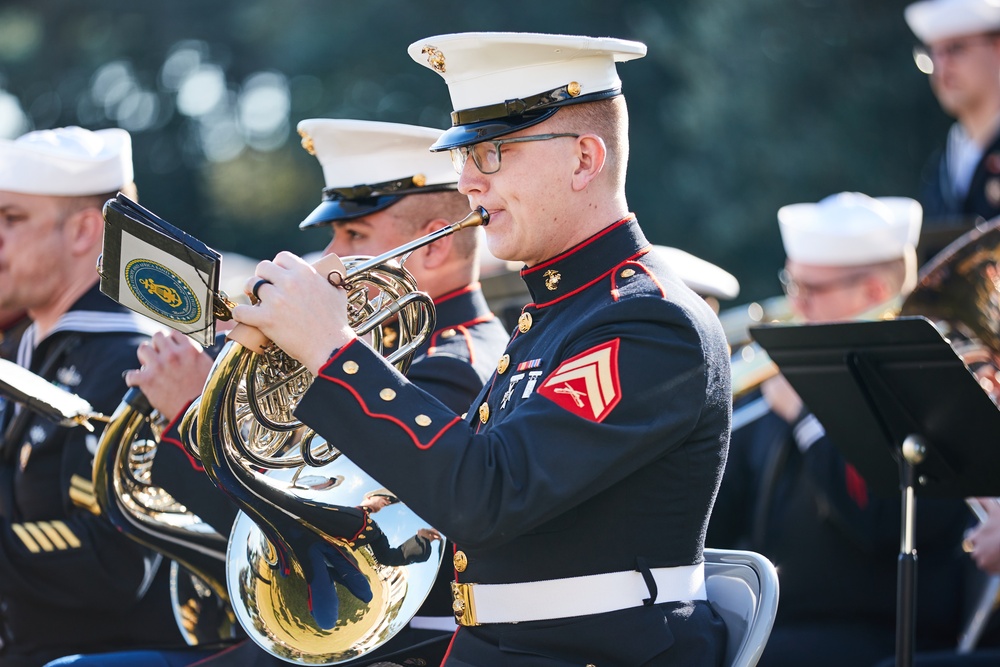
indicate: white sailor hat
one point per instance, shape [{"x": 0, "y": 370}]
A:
[
  {"x": 702, "y": 276},
  {"x": 933, "y": 20},
  {"x": 368, "y": 166},
  {"x": 66, "y": 161},
  {"x": 501, "y": 82},
  {"x": 850, "y": 229}
]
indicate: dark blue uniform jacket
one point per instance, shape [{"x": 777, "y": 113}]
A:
[{"x": 599, "y": 439}]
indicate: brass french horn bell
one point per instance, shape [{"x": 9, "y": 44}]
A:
[{"x": 313, "y": 575}]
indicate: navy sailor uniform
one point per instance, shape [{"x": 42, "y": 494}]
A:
[
  {"x": 789, "y": 494},
  {"x": 596, "y": 446},
  {"x": 70, "y": 582}
]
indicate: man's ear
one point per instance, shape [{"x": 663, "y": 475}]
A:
[
  {"x": 878, "y": 289},
  {"x": 85, "y": 230},
  {"x": 434, "y": 255},
  {"x": 591, "y": 155}
]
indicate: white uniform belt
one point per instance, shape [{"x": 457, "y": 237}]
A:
[{"x": 476, "y": 604}]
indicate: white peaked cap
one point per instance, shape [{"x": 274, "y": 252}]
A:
[
  {"x": 850, "y": 229},
  {"x": 362, "y": 152},
  {"x": 702, "y": 276},
  {"x": 933, "y": 20},
  {"x": 512, "y": 69},
  {"x": 369, "y": 165},
  {"x": 66, "y": 161}
]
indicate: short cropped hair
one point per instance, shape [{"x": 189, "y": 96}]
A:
[
  {"x": 608, "y": 119},
  {"x": 75, "y": 203},
  {"x": 415, "y": 211}
]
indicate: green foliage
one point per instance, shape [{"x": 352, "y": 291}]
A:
[{"x": 741, "y": 106}]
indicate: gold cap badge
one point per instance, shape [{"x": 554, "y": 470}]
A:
[
  {"x": 307, "y": 143},
  {"x": 434, "y": 58}
]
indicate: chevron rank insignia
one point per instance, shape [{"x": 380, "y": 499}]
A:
[{"x": 586, "y": 385}]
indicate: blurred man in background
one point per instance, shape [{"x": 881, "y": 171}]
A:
[
  {"x": 69, "y": 582},
  {"x": 789, "y": 494},
  {"x": 961, "y": 49}
]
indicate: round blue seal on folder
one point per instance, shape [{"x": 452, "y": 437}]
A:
[{"x": 162, "y": 291}]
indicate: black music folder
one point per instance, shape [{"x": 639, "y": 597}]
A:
[
  {"x": 872, "y": 384},
  {"x": 158, "y": 270}
]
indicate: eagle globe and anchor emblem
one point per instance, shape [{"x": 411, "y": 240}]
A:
[{"x": 162, "y": 291}]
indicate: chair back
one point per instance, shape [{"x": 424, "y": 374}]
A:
[{"x": 743, "y": 589}]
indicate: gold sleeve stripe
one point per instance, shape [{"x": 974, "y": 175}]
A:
[
  {"x": 81, "y": 492},
  {"x": 29, "y": 543},
  {"x": 53, "y": 535},
  {"x": 82, "y": 483},
  {"x": 71, "y": 539},
  {"x": 39, "y": 536}
]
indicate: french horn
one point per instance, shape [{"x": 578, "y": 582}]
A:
[
  {"x": 311, "y": 570},
  {"x": 149, "y": 515}
]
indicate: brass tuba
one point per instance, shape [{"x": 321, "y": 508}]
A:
[{"x": 311, "y": 572}]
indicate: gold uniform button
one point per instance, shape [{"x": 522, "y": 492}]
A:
[
  {"x": 461, "y": 561},
  {"x": 422, "y": 420},
  {"x": 524, "y": 322},
  {"x": 350, "y": 367},
  {"x": 503, "y": 364},
  {"x": 484, "y": 412},
  {"x": 628, "y": 273},
  {"x": 448, "y": 333},
  {"x": 387, "y": 394}
]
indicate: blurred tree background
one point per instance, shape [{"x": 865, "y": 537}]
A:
[{"x": 740, "y": 107}]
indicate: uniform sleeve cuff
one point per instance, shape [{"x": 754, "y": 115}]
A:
[{"x": 807, "y": 430}]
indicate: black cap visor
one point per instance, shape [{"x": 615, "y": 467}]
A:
[
  {"x": 335, "y": 210},
  {"x": 491, "y": 122}
]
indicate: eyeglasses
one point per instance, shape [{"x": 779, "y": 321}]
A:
[
  {"x": 926, "y": 56},
  {"x": 486, "y": 154},
  {"x": 801, "y": 291}
]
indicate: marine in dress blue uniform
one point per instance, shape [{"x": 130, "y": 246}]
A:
[
  {"x": 69, "y": 581},
  {"x": 789, "y": 494},
  {"x": 577, "y": 486},
  {"x": 392, "y": 163}
]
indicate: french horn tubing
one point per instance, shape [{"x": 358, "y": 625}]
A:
[
  {"x": 149, "y": 515},
  {"x": 311, "y": 570}
]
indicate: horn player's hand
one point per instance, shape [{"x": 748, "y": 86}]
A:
[
  {"x": 298, "y": 308},
  {"x": 984, "y": 540},
  {"x": 173, "y": 372},
  {"x": 781, "y": 398}
]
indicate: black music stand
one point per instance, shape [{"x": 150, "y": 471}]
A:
[{"x": 905, "y": 410}]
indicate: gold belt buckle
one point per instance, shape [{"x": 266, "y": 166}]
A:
[{"x": 463, "y": 604}]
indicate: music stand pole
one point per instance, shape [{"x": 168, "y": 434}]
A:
[{"x": 913, "y": 452}]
